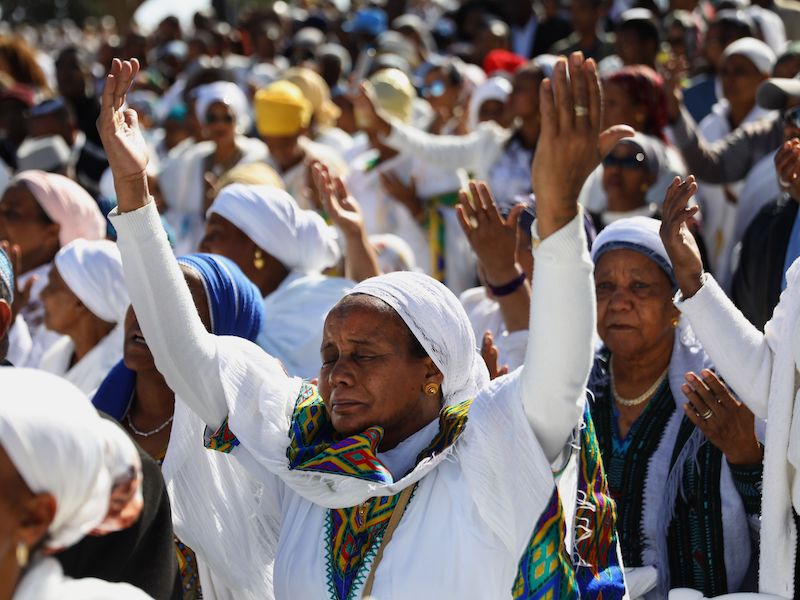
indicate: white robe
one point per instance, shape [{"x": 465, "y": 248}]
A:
[
  {"x": 485, "y": 315},
  {"x": 45, "y": 580},
  {"x": 90, "y": 371}
]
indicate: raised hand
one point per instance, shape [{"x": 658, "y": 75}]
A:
[
  {"x": 490, "y": 356},
  {"x": 340, "y": 206},
  {"x": 725, "y": 421},
  {"x": 367, "y": 116},
  {"x": 678, "y": 240},
  {"x": 404, "y": 194},
  {"x": 493, "y": 239},
  {"x": 122, "y": 139},
  {"x": 571, "y": 144}
]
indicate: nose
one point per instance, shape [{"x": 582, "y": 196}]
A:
[
  {"x": 342, "y": 373},
  {"x": 620, "y": 299}
]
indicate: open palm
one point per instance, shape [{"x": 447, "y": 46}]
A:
[{"x": 119, "y": 129}]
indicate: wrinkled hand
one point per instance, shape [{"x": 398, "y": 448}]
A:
[
  {"x": 678, "y": 240},
  {"x": 570, "y": 144},
  {"x": 119, "y": 129},
  {"x": 787, "y": 165},
  {"x": 340, "y": 206},
  {"x": 493, "y": 239},
  {"x": 726, "y": 422},
  {"x": 404, "y": 194},
  {"x": 22, "y": 295},
  {"x": 490, "y": 355}
]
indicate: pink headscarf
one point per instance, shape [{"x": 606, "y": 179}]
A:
[{"x": 66, "y": 203}]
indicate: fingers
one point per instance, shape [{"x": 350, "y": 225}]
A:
[
  {"x": 466, "y": 212},
  {"x": 701, "y": 398},
  {"x": 562, "y": 93},
  {"x": 594, "y": 95},
  {"x": 580, "y": 92},
  {"x": 547, "y": 109},
  {"x": 513, "y": 216},
  {"x": 722, "y": 395},
  {"x": 488, "y": 202},
  {"x": 611, "y": 136}
]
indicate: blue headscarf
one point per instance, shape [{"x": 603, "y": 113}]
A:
[
  {"x": 236, "y": 308},
  {"x": 6, "y": 278}
]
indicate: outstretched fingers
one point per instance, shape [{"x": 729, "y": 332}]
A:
[{"x": 562, "y": 93}]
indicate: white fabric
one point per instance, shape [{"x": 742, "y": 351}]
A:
[
  {"x": 299, "y": 239},
  {"x": 756, "y": 51},
  {"x": 296, "y": 178},
  {"x": 92, "y": 269},
  {"x": 60, "y": 445},
  {"x": 762, "y": 370},
  {"x": 770, "y": 25},
  {"x": 642, "y": 231},
  {"x": 89, "y": 372},
  {"x": 294, "y": 314},
  {"x": 722, "y": 206},
  {"x": 473, "y": 505},
  {"x": 29, "y": 347},
  {"x": 45, "y": 580},
  {"x": 227, "y": 93},
  {"x": 494, "y": 88},
  {"x": 484, "y": 315},
  {"x": 182, "y": 182}
]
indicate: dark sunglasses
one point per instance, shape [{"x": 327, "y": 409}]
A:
[
  {"x": 791, "y": 117},
  {"x": 212, "y": 118},
  {"x": 635, "y": 161}
]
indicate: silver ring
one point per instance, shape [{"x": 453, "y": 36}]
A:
[
  {"x": 707, "y": 415},
  {"x": 581, "y": 111}
]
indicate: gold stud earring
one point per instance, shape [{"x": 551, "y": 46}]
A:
[
  {"x": 22, "y": 555},
  {"x": 432, "y": 389},
  {"x": 675, "y": 321},
  {"x": 258, "y": 260}
]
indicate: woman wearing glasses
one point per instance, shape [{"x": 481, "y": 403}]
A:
[{"x": 222, "y": 109}]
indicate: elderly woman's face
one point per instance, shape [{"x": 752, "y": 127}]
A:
[
  {"x": 24, "y": 222},
  {"x": 634, "y": 304},
  {"x": 370, "y": 374}
]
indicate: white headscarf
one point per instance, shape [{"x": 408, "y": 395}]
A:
[
  {"x": 494, "y": 88},
  {"x": 299, "y": 239},
  {"x": 436, "y": 318},
  {"x": 756, "y": 51},
  {"x": 228, "y": 93},
  {"x": 93, "y": 271},
  {"x": 635, "y": 233},
  {"x": 60, "y": 445}
]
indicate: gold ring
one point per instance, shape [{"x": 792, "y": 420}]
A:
[
  {"x": 581, "y": 111},
  {"x": 707, "y": 415}
]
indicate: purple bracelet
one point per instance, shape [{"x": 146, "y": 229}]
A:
[{"x": 509, "y": 288}]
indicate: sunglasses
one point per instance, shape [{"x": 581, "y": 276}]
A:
[
  {"x": 635, "y": 161},
  {"x": 791, "y": 117},
  {"x": 435, "y": 89},
  {"x": 212, "y": 118}
]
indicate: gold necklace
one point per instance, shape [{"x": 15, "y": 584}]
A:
[{"x": 639, "y": 399}]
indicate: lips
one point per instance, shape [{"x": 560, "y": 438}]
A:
[
  {"x": 346, "y": 406},
  {"x": 137, "y": 338}
]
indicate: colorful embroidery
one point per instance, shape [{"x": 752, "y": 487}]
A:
[
  {"x": 434, "y": 223},
  {"x": 545, "y": 570},
  {"x": 597, "y": 569},
  {"x": 222, "y": 440},
  {"x": 190, "y": 578}
]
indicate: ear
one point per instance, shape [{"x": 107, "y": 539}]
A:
[
  {"x": 432, "y": 372},
  {"x": 37, "y": 513},
  {"x": 6, "y": 318},
  {"x": 51, "y": 233}
]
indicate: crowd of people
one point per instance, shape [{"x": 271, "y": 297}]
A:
[{"x": 415, "y": 299}]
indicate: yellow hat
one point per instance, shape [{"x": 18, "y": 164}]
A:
[
  {"x": 394, "y": 92},
  {"x": 281, "y": 109},
  {"x": 317, "y": 92}
]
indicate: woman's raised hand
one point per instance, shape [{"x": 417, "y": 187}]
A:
[
  {"x": 678, "y": 240},
  {"x": 122, "y": 139},
  {"x": 571, "y": 144},
  {"x": 340, "y": 206},
  {"x": 725, "y": 421}
]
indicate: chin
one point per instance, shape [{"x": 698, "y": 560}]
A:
[{"x": 348, "y": 425}]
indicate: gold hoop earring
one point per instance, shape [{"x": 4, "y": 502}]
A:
[
  {"x": 675, "y": 321},
  {"x": 258, "y": 260},
  {"x": 22, "y": 555},
  {"x": 432, "y": 389}
]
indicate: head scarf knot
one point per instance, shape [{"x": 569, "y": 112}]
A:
[{"x": 299, "y": 239}]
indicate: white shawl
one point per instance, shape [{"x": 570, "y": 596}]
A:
[{"x": 45, "y": 580}]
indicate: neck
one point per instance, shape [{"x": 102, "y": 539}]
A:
[
  {"x": 88, "y": 332},
  {"x": 529, "y": 132},
  {"x": 10, "y": 575},
  {"x": 154, "y": 401},
  {"x": 738, "y": 113},
  {"x": 635, "y": 373},
  {"x": 623, "y": 203},
  {"x": 271, "y": 279},
  {"x": 225, "y": 150}
]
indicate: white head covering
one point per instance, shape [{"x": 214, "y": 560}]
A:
[
  {"x": 60, "y": 445},
  {"x": 494, "y": 88},
  {"x": 228, "y": 93},
  {"x": 436, "y": 318},
  {"x": 93, "y": 271},
  {"x": 756, "y": 51},
  {"x": 635, "y": 233},
  {"x": 299, "y": 239}
]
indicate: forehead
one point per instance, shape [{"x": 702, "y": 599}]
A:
[
  {"x": 623, "y": 260},
  {"x": 219, "y": 106},
  {"x": 360, "y": 314},
  {"x": 19, "y": 197}
]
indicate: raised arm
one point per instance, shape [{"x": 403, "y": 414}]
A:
[
  {"x": 184, "y": 352},
  {"x": 740, "y": 352},
  {"x": 563, "y": 315}
]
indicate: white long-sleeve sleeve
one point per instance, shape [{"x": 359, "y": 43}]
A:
[
  {"x": 475, "y": 151},
  {"x": 562, "y": 324},
  {"x": 184, "y": 352},
  {"x": 740, "y": 352}
]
